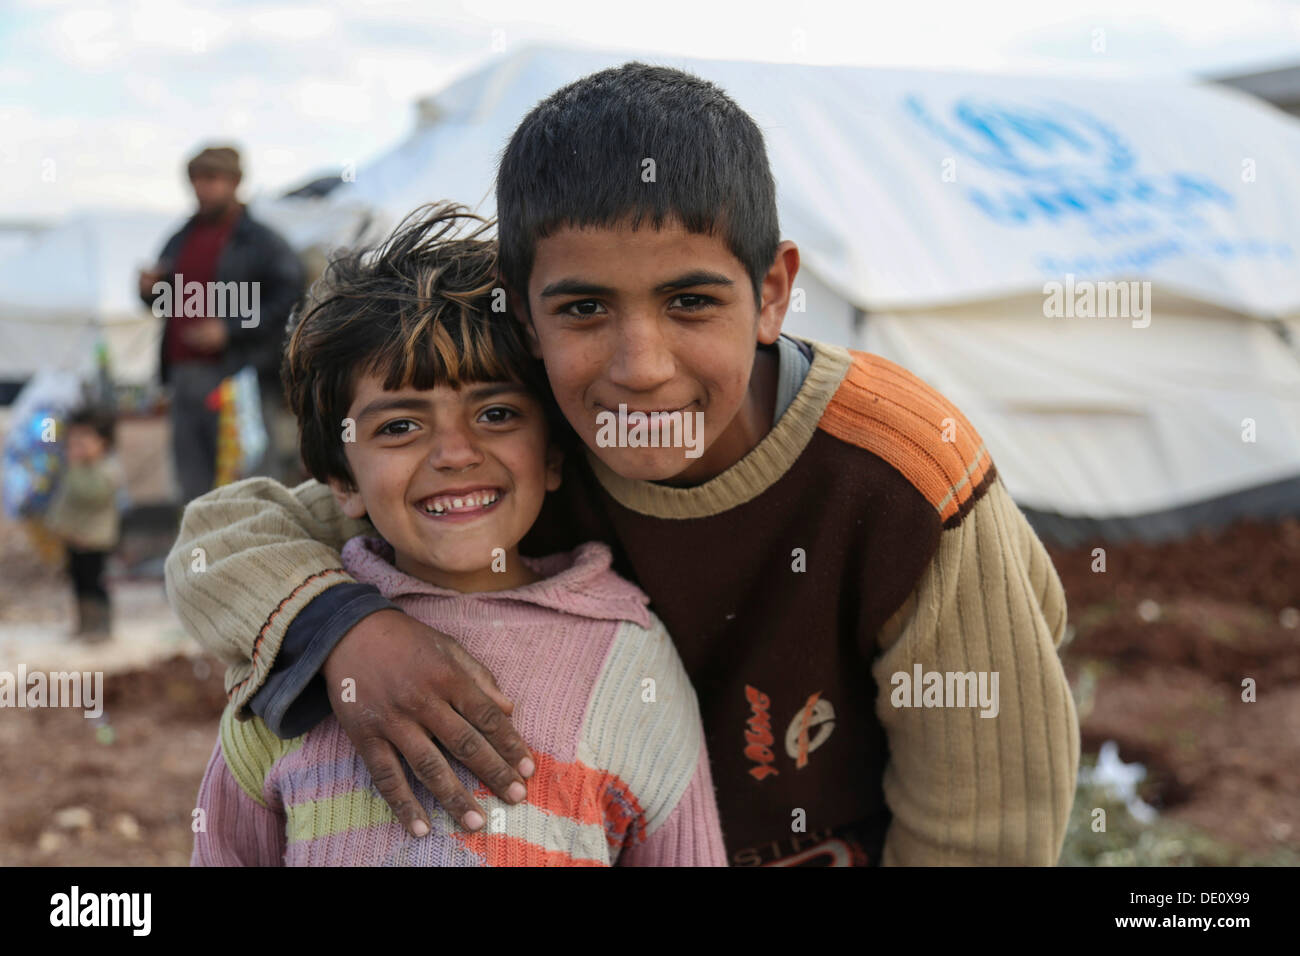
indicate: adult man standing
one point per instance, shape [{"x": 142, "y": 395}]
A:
[{"x": 220, "y": 244}]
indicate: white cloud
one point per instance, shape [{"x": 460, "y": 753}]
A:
[
  {"x": 178, "y": 27},
  {"x": 293, "y": 23},
  {"x": 400, "y": 77},
  {"x": 339, "y": 102},
  {"x": 87, "y": 38},
  {"x": 136, "y": 87}
]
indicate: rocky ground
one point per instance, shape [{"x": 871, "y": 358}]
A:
[{"x": 1162, "y": 643}]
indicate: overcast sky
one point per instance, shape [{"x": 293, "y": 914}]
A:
[{"x": 100, "y": 103}]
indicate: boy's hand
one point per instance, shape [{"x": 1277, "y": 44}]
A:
[
  {"x": 413, "y": 681},
  {"x": 209, "y": 335}
]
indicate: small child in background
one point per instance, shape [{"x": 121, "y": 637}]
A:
[{"x": 84, "y": 515}]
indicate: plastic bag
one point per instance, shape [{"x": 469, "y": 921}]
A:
[
  {"x": 241, "y": 432},
  {"x": 33, "y": 456}
]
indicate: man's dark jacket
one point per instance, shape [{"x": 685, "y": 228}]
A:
[{"x": 253, "y": 253}]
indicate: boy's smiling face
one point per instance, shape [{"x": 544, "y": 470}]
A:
[
  {"x": 658, "y": 320},
  {"x": 448, "y": 475}
]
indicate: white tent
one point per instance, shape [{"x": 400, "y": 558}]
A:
[
  {"x": 75, "y": 283},
  {"x": 932, "y": 208}
]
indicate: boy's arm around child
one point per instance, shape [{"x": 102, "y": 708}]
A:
[
  {"x": 963, "y": 789},
  {"x": 232, "y": 543}
]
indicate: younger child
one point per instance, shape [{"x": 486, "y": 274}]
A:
[
  {"x": 431, "y": 420},
  {"x": 83, "y": 513}
]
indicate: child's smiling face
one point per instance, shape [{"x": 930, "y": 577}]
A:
[
  {"x": 447, "y": 476},
  {"x": 656, "y": 320}
]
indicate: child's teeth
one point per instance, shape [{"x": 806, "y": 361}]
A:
[{"x": 479, "y": 500}]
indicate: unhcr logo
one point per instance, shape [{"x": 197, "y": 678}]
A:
[
  {"x": 1061, "y": 160},
  {"x": 1051, "y": 141}
]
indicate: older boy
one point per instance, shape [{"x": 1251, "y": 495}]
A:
[{"x": 841, "y": 568}]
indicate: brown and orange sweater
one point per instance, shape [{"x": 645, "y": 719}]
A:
[{"x": 866, "y": 545}]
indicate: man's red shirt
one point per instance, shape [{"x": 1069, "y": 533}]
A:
[{"x": 197, "y": 262}]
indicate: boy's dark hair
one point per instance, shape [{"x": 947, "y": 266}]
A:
[
  {"x": 98, "y": 418},
  {"x": 578, "y": 158},
  {"x": 416, "y": 311}
]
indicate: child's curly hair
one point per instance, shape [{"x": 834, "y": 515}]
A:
[{"x": 424, "y": 308}]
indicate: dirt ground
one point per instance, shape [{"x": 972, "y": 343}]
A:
[
  {"x": 1160, "y": 644},
  {"x": 117, "y": 791}
]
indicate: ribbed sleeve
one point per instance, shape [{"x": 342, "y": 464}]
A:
[
  {"x": 238, "y": 831},
  {"x": 967, "y": 789},
  {"x": 248, "y": 558},
  {"x": 691, "y": 836}
]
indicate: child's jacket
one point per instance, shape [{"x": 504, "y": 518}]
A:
[
  {"x": 84, "y": 508},
  {"x": 600, "y": 697}
]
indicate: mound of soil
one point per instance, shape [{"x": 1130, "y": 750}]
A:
[
  {"x": 1168, "y": 644},
  {"x": 117, "y": 790}
]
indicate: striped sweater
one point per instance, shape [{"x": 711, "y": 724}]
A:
[
  {"x": 867, "y": 535},
  {"x": 600, "y": 697}
]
